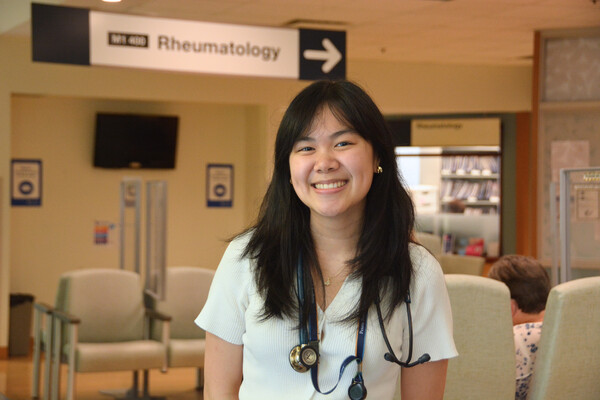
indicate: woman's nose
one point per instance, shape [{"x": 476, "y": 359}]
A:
[{"x": 325, "y": 162}]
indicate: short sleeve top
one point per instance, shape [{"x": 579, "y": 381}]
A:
[{"x": 232, "y": 312}]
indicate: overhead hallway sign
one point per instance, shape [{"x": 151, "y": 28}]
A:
[{"x": 79, "y": 36}]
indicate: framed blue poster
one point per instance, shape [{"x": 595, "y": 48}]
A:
[
  {"x": 26, "y": 182},
  {"x": 219, "y": 185}
]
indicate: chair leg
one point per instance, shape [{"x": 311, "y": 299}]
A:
[
  {"x": 54, "y": 360},
  {"x": 135, "y": 386},
  {"x": 199, "y": 378},
  {"x": 71, "y": 379},
  {"x": 37, "y": 343},
  {"x": 48, "y": 354},
  {"x": 146, "y": 391}
]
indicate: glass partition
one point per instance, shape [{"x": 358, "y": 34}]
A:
[
  {"x": 579, "y": 223},
  {"x": 130, "y": 234},
  {"x": 156, "y": 238}
]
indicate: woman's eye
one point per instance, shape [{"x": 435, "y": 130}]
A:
[
  {"x": 343, "y": 144},
  {"x": 305, "y": 148}
]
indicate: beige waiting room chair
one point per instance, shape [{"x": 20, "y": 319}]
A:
[
  {"x": 101, "y": 325},
  {"x": 485, "y": 367},
  {"x": 186, "y": 292},
  {"x": 450, "y": 263},
  {"x": 431, "y": 242},
  {"x": 568, "y": 363},
  {"x": 458, "y": 264}
]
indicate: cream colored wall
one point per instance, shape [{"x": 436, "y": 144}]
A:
[
  {"x": 73, "y": 91},
  {"x": 444, "y": 89},
  {"x": 60, "y": 131}
]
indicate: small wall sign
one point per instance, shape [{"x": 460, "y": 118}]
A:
[
  {"x": 219, "y": 185},
  {"x": 26, "y": 182}
]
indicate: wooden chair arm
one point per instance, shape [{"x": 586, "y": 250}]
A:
[
  {"x": 65, "y": 317},
  {"x": 153, "y": 314},
  {"x": 43, "y": 307}
]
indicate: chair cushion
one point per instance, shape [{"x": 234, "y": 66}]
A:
[
  {"x": 123, "y": 356},
  {"x": 186, "y": 353}
]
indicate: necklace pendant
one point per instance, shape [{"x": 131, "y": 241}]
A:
[{"x": 327, "y": 282}]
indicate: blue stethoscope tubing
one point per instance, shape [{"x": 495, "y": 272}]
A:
[
  {"x": 312, "y": 335},
  {"x": 357, "y": 388}
]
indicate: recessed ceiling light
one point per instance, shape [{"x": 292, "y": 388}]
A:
[
  {"x": 314, "y": 23},
  {"x": 111, "y": 1}
]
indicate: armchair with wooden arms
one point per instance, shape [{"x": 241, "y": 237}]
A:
[
  {"x": 101, "y": 325},
  {"x": 186, "y": 292}
]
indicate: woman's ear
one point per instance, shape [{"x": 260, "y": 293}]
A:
[
  {"x": 514, "y": 307},
  {"x": 376, "y": 166}
]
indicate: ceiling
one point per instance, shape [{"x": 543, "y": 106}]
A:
[{"x": 492, "y": 32}]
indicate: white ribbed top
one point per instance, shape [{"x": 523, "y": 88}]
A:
[{"x": 233, "y": 306}]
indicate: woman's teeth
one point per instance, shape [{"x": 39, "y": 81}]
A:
[{"x": 333, "y": 185}]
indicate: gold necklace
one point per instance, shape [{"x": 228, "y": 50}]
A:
[{"x": 327, "y": 281}]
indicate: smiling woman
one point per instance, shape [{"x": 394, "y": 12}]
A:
[
  {"x": 332, "y": 247},
  {"x": 332, "y": 169}
]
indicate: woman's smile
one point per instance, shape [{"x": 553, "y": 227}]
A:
[{"x": 331, "y": 185}]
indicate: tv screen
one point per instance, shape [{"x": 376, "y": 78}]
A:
[{"x": 135, "y": 141}]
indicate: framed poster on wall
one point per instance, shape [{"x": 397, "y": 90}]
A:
[
  {"x": 26, "y": 182},
  {"x": 219, "y": 185}
]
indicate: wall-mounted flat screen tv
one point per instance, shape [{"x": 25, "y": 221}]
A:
[{"x": 135, "y": 141}]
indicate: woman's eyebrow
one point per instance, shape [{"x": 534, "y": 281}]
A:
[
  {"x": 343, "y": 131},
  {"x": 332, "y": 135}
]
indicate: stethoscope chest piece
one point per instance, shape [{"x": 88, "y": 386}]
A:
[
  {"x": 303, "y": 357},
  {"x": 357, "y": 390}
]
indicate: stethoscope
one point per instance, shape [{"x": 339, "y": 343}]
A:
[{"x": 305, "y": 356}]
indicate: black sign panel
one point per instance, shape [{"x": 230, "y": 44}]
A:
[
  {"x": 322, "y": 54},
  {"x": 60, "y": 34}
]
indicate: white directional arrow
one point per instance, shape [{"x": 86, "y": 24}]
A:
[{"x": 331, "y": 55}]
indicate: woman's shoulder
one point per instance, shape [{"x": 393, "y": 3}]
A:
[
  {"x": 419, "y": 254},
  {"x": 424, "y": 263},
  {"x": 235, "y": 259},
  {"x": 240, "y": 241}
]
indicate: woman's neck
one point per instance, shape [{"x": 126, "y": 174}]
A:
[
  {"x": 335, "y": 243},
  {"x": 335, "y": 237}
]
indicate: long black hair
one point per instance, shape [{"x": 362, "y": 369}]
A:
[{"x": 282, "y": 232}]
